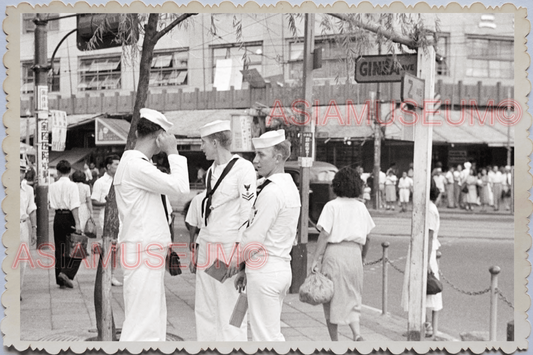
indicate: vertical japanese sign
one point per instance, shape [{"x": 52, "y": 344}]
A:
[
  {"x": 42, "y": 148},
  {"x": 241, "y": 129},
  {"x": 59, "y": 130},
  {"x": 307, "y": 145}
]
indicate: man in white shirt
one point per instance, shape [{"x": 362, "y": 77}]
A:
[
  {"x": 457, "y": 186},
  {"x": 65, "y": 200},
  {"x": 496, "y": 181},
  {"x": 439, "y": 182},
  {"x": 507, "y": 181},
  {"x": 271, "y": 235},
  {"x": 27, "y": 214},
  {"x": 450, "y": 188},
  {"x": 405, "y": 184},
  {"x": 99, "y": 197},
  {"x": 144, "y": 234},
  {"x": 231, "y": 184}
]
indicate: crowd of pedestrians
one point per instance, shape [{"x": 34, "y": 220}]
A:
[{"x": 464, "y": 186}]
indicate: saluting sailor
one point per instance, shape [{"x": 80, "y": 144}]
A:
[
  {"x": 144, "y": 232},
  {"x": 272, "y": 231},
  {"x": 231, "y": 184}
]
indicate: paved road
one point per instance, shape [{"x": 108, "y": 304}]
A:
[{"x": 470, "y": 245}]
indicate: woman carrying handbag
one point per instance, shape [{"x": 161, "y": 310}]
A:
[{"x": 341, "y": 249}]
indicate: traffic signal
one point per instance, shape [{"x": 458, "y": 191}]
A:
[{"x": 99, "y": 31}]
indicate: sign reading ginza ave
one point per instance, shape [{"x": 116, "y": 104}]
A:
[{"x": 382, "y": 68}]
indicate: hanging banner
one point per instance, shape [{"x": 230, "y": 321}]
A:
[
  {"x": 59, "y": 123},
  {"x": 243, "y": 129}
]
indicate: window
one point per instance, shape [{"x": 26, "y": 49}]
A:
[
  {"x": 28, "y": 78},
  {"x": 334, "y": 59},
  {"x": 99, "y": 74},
  {"x": 442, "y": 49},
  {"x": 169, "y": 69},
  {"x": 28, "y": 26},
  {"x": 490, "y": 58},
  {"x": 251, "y": 54}
]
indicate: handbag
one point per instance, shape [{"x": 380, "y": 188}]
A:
[
  {"x": 434, "y": 285},
  {"x": 465, "y": 189},
  {"x": 90, "y": 229},
  {"x": 316, "y": 289},
  {"x": 77, "y": 246},
  {"x": 173, "y": 264}
]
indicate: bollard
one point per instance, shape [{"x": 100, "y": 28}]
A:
[
  {"x": 384, "y": 279},
  {"x": 494, "y": 271}
]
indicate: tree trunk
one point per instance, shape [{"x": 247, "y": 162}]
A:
[{"x": 149, "y": 42}]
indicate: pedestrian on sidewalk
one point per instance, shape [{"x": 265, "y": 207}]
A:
[
  {"x": 65, "y": 200},
  {"x": 496, "y": 182},
  {"x": 405, "y": 185},
  {"x": 342, "y": 246},
  {"x": 457, "y": 186},
  {"x": 144, "y": 234},
  {"x": 433, "y": 302},
  {"x": 485, "y": 190},
  {"x": 471, "y": 183},
  {"x": 450, "y": 186},
  {"x": 271, "y": 233},
  {"x": 390, "y": 189},
  {"x": 231, "y": 184},
  {"x": 27, "y": 214},
  {"x": 85, "y": 212},
  {"x": 99, "y": 198}
]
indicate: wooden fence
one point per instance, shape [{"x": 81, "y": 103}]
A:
[{"x": 112, "y": 103}]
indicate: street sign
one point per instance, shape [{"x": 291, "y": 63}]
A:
[
  {"x": 42, "y": 98},
  {"x": 382, "y": 68},
  {"x": 413, "y": 89},
  {"x": 307, "y": 144}
]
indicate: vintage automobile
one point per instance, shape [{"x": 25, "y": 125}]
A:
[{"x": 320, "y": 191}]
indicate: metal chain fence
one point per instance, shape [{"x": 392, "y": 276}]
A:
[
  {"x": 469, "y": 293},
  {"x": 504, "y": 299}
]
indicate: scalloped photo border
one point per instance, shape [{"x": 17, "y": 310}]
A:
[{"x": 10, "y": 325}]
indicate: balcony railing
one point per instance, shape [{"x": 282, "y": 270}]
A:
[{"x": 242, "y": 99}]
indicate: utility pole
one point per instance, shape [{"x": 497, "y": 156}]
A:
[
  {"x": 40, "y": 93},
  {"x": 418, "y": 254},
  {"x": 299, "y": 254},
  {"x": 377, "y": 147}
]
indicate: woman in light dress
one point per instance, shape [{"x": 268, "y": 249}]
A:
[
  {"x": 85, "y": 211},
  {"x": 342, "y": 245},
  {"x": 471, "y": 196}
]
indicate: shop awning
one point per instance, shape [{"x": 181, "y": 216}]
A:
[
  {"x": 74, "y": 156},
  {"x": 73, "y": 121},
  {"x": 109, "y": 131}
]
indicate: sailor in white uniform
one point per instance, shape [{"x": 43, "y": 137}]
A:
[
  {"x": 272, "y": 232},
  {"x": 231, "y": 184},
  {"x": 144, "y": 234}
]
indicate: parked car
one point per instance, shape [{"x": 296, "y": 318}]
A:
[{"x": 320, "y": 191}]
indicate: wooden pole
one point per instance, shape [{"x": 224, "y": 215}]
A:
[
  {"x": 419, "y": 232},
  {"x": 299, "y": 251}
]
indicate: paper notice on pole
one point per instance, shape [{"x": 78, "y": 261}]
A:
[
  {"x": 227, "y": 74},
  {"x": 241, "y": 129},
  {"x": 59, "y": 130}
]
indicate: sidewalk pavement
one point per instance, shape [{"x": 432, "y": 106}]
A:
[{"x": 50, "y": 313}]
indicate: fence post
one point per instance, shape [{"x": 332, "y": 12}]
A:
[
  {"x": 385, "y": 278},
  {"x": 494, "y": 271}
]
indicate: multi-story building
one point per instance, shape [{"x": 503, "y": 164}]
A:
[{"x": 478, "y": 63}]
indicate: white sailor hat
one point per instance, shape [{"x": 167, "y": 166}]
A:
[
  {"x": 214, "y": 127},
  {"x": 156, "y": 117},
  {"x": 269, "y": 139}
]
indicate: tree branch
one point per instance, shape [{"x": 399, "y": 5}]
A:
[
  {"x": 376, "y": 28},
  {"x": 171, "y": 25}
]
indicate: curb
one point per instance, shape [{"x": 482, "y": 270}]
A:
[{"x": 396, "y": 326}]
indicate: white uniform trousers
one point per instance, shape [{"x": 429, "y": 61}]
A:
[
  {"x": 145, "y": 307},
  {"x": 214, "y": 301},
  {"x": 24, "y": 239},
  {"x": 266, "y": 289}
]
